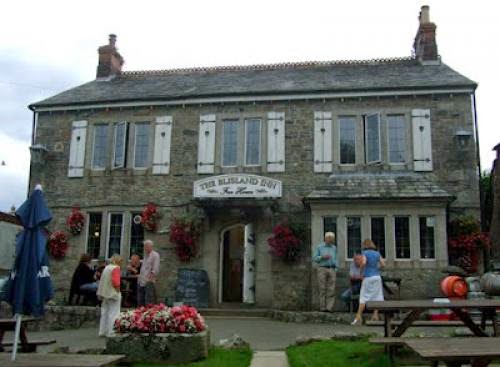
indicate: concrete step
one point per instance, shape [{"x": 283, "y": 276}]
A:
[
  {"x": 234, "y": 312},
  {"x": 269, "y": 359}
]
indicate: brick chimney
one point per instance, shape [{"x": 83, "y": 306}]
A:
[
  {"x": 110, "y": 60},
  {"x": 425, "y": 46}
]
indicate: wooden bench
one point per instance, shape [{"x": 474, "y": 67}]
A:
[
  {"x": 30, "y": 346},
  {"x": 425, "y": 323},
  {"x": 60, "y": 360}
]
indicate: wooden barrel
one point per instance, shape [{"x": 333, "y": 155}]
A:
[
  {"x": 490, "y": 283},
  {"x": 454, "y": 286}
]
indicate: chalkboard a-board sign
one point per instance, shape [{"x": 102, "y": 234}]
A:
[{"x": 192, "y": 287}]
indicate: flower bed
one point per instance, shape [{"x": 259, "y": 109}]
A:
[{"x": 160, "y": 334}]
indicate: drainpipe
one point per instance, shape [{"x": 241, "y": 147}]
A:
[{"x": 486, "y": 255}]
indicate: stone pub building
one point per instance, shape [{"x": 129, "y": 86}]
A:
[{"x": 382, "y": 149}]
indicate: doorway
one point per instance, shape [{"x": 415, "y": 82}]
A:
[{"x": 233, "y": 240}]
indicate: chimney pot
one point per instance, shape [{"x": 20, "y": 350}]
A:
[
  {"x": 425, "y": 15},
  {"x": 112, "y": 39}
]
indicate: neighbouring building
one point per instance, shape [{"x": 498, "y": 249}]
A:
[
  {"x": 495, "y": 220},
  {"x": 379, "y": 148},
  {"x": 9, "y": 228}
]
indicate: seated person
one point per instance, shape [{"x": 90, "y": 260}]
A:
[
  {"x": 133, "y": 271},
  {"x": 83, "y": 280},
  {"x": 355, "y": 278},
  {"x": 85, "y": 275}
]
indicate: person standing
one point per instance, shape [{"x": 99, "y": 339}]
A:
[
  {"x": 133, "y": 271},
  {"x": 371, "y": 286},
  {"x": 110, "y": 295},
  {"x": 146, "y": 292},
  {"x": 326, "y": 258}
]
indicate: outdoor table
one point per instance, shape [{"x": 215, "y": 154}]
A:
[
  {"x": 416, "y": 307},
  {"x": 455, "y": 351},
  {"x": 10, "y": 325}
]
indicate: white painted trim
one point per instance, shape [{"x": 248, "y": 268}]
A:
[{"x": 255, "y": 98}]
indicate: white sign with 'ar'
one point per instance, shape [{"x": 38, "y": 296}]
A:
[{"x": 237, "y": 186}]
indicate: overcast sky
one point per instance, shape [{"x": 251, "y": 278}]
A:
[{"x": 49, "y": 46}]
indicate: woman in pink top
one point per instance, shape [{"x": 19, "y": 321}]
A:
[{"x": 109, "y": 293}]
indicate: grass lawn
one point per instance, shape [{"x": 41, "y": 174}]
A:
[
  {"x": 217, "y": 357},
  {"x": 337, "y": 353}
]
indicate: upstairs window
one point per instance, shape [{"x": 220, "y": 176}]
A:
[
  {"x": 372, "y": 138},
  {"x": 141, "y": 145},
  {"x": 252, "y": 142},
  {"x": 396, "y": 127},
  {"x": 230, "y": 143},
  {"x": 100, "y": 151},
  {"x": 347, "y": 133},
  {"x": 120, "y": 148}
]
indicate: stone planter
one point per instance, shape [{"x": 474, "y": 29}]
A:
[{"x": 160, "y": 348}]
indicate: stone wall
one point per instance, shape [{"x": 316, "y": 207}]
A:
[{"x": 128, "y": 190}]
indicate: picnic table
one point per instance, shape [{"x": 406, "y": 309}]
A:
[
  {"x": 60, "y": 360},
  {"x": 456, "y": 351},
  {"x": 26, "y": 346},
  {"x": 415, "y": 308}
]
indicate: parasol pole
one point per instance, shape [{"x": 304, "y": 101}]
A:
[{"x": 16, "y": 336}]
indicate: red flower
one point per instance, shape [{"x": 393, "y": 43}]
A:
[
  {"x": 149, "y": 217},
  {"x": 284, "y": 243},
  {"x": 184, "y": 235},
  {"x": 58, "y": 244},
  {"x": 75, "y": 221}
]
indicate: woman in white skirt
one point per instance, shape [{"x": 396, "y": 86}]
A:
[
  {"x": 109, "y": 293},
  {"x": 371, "y": 286}
]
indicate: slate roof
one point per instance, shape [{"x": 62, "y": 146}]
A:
[
  {"x": 9, "y": 218},
  {"x": 379, "y": 187},
  {"x": 289, "y": 78}
]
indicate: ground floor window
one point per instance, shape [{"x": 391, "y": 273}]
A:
[
  {"x": 378, "y": 233},
  {"x": 426, "y": 229},
  {"x": 329, "y": 225},
  {"x": 94, "y": 235},
  {"x": 353, "y": 236},
  {"x": 115, "y": 234},
  {"x": 136, "y": 236},
  {"x": 402, "y": 237}
]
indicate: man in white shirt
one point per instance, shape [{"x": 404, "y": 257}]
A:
[{"x": 146, "y": 292}]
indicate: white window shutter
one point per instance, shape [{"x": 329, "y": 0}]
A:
[
  {"x": 77, "y": 149},
  {"x": 276, "y": 142},
  {"x": 422, "y": 140},
  {"x": 163, "y": 137},
  {"x": 322, "y": 142},
  {"x": 206, "y": 144}
]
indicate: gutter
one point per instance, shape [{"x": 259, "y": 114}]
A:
[{"x": 248, "y": 98}]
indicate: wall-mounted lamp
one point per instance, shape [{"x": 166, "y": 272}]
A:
[
  {"x": 38, "y": 153},
  {"x": 463, "y": 138}
]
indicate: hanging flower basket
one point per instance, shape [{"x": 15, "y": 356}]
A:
[
  {"x": 184, "y": 233},
  {"x": 58, "y": 244},
  {"x": 466, "y": 250},
  {"x": 284, "y": 243},
  {"x": 75, "y": 221},
  {"x": 149, "y": 217}
]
